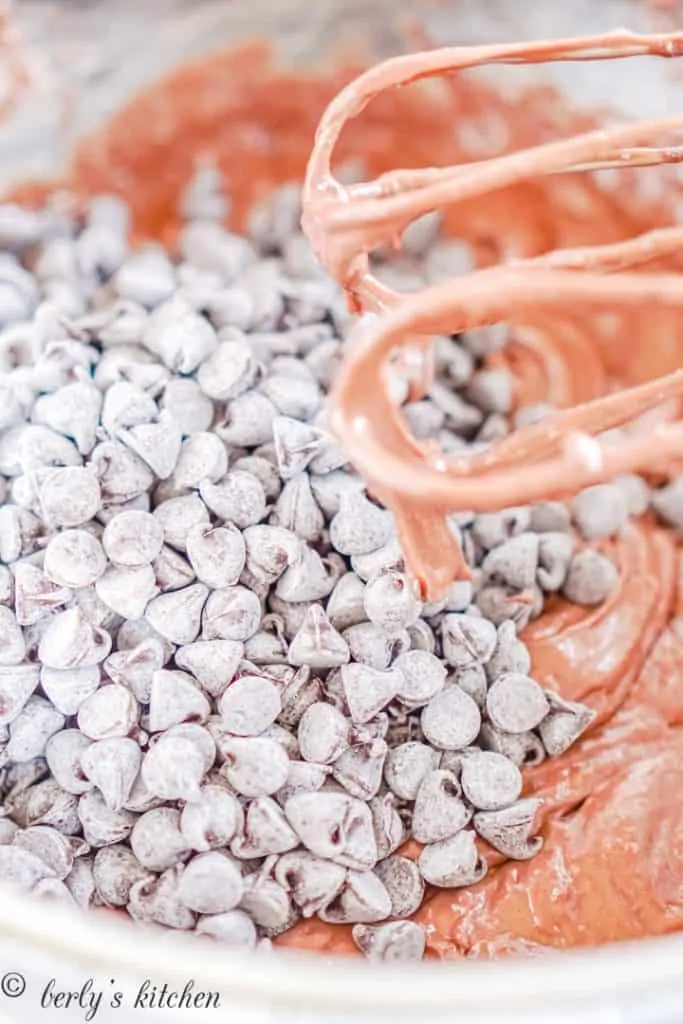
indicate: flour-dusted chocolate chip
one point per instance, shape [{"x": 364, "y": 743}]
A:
[
  {"x": 133, "y": 668},
  {"x": 472, "y": 680},
  {"x": 345, "y": 605},
  {"x": 69, "y": 496},
  {"x": 459, "y": 596},
  {"x": 17, "y": 683},
  {"x": 493, "y": 528},
  {"x": 254, "y": 766},
  {"x": 174, "y": 698},
  {"x": 600, "y": 511},
  {"x": 213, "y": 663},
  {"x": 302, "y": 777},
  {"x": 35, "y": 595},
  {"x": 265, "y": 831},
  {"x": 490, "y": 781},
  {"x": 12, "y": 643},
  {"x": 453, "y": 863},
  {"x": 264, "y": 471},
  {"x": 235, "y": 929},
  {"x": 112, "y": 765},
  {"x": 591, "y": 578},
  {"x": 386, "y": 558},
  {"x": 53, "y": 889},
  {"x": 270, "y": 550},
  {"x": 359, "y": 768},
  {"x": 268, "y": 904},
  {"x": 177, "y": 615},
  {"x": 516, "y": 703},
  {"x": 210, "y": 883},
  {"x": 564, "y": 724},
  {"x": 422, "y": 677},
  {"x": 156, "y": 839},
  {"x": 285, "y": 738},
  {"x": 466, "y": 639},
  {"x": 524, "y": 749},
  {"x": 74, "y": 558},
  {"x": 115, "y": 871},
  {"x": 317, "y": 644},
  {"x": 63, "y": 752},
  {"x": 133, "y": 538},
  {"x": 636, "y": 491},
  {"x": 368, "y": 644},
  {"x": 550, "y": 517},
  {"x": 126, "y": 405},
  {"x": 297, "y": 510},
  {"x": 231, "y": 613},
  {"x": 30, "y": 731},
  {"x": 395, "y": 942},
  {"x": 217, "y": 554},
  {"x": 250, "y": 705},
  {"x": 387, "y": 823},
  {"x": 111, "y": 710},
  {"x": 171, "y": 570},
  {"x": 451, "y": 720},
  {"x": 22, "y": 868},
  {"x": 296, "y": 444},
  {"x": 81, "y": 884},
  {"x": 183, "y": 340},
  {"x": 439, "y": 810},
  {"x": 422, "y": 637},
  {"x": 359, "y": 526},
  {"x": 667, "y": 502},
  {"x": 334, "y": 826},
  {"x": 368, "y": 690},
  {"x": 311, "y": 882},
  {"x": 101, "y": 825},
  {"x": 45, "y": 803},
  {"x": 362, "y": 899},
  {"x": 211, "y": 821},
  {"x": 407, "y": 765},
  {"x": 147, "y": 277},
  {"x": 297, "y": 695},
  {"x": 554, "y": 555},
  {"x": 237, "y": 498},
  {"x": 55, "y": 849},
  {"x": 158, "y": 902},
  {"x": 178, "y": 515},
  {"x": 190, "y": 407},
  {"x": 248, "y": 420},
  {"x": 269, "y": 646},
  {"x": 323, "y": 733},
  {"x": 309, "y": 577},
  {"x": 176, "y": 764},
  {"x": 510, "y": 653},
  {"x": 329, "y": 488},
  {"x": 514, "y": 562},
  {"x": 127, "y": 591},
  {"x": 122, "y": 475},
  {"x": 403, "y": 881},
  {"x": 391, "y": 602},
  {"x": 70, "y": 641},
  {"x": 510, "y": 830}
]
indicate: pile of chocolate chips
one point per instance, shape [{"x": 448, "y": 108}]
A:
[{"x": 223, "y": 705}]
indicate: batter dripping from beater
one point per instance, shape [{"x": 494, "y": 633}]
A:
[{"x": 606, "y": 802}]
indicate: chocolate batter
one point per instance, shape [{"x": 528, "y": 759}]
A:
[{"x": 612, "y": 864}]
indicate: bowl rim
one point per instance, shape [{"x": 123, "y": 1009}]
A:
[{"x": 622, "y": 972}]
